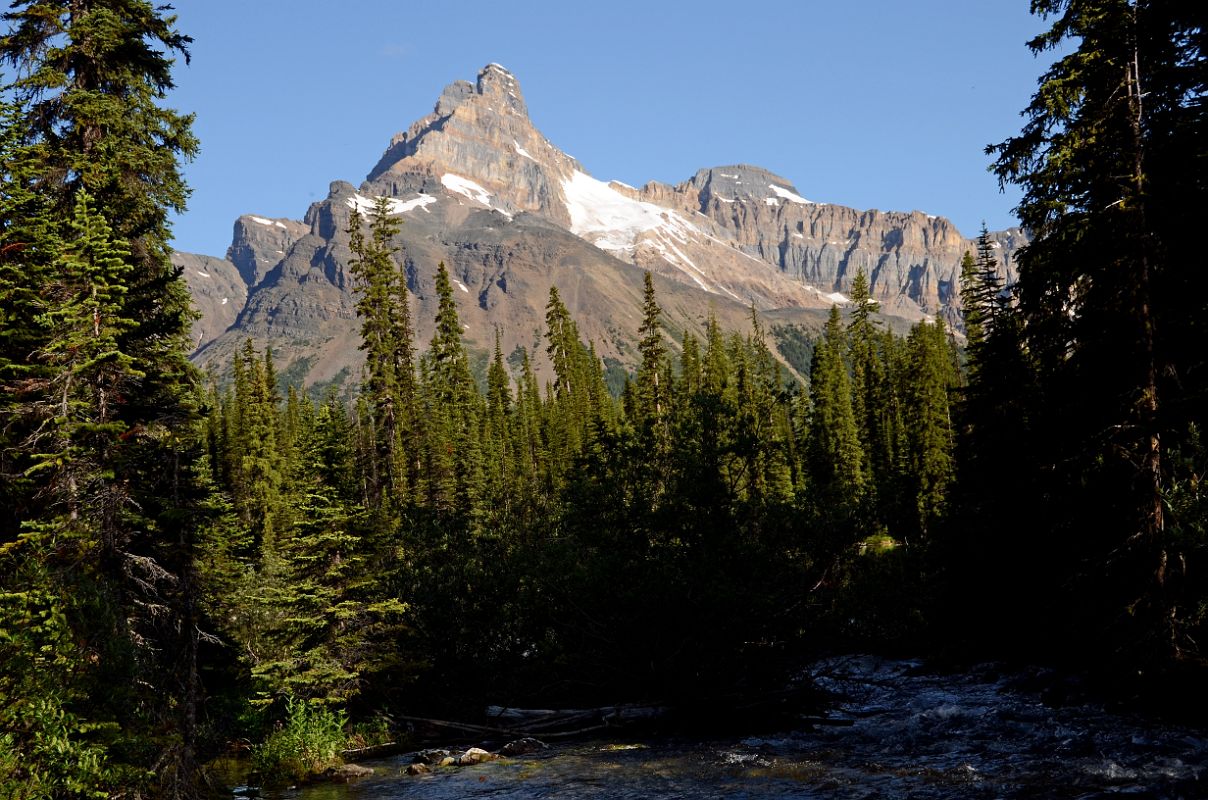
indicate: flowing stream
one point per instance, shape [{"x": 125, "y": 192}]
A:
[{"x": 915, "y": 733}]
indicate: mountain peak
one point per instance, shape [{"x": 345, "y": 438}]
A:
[
  {"x": 478, "y": 144},
  {"x": 743, "y": 181},
  {"x": 498, "y": 85},
  {"x": 482, "y": 190}
]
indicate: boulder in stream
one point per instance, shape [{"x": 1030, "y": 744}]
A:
[
  {"x": 347, "y": 772},
  {"x": 521, "y": 747},
  {"x": 431, "y": 757},
  {"x": 475, "y": 755}
]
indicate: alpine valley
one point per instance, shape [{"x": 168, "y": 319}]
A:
[{"x": 478, "y": 187}]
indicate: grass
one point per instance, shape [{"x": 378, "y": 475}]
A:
[{"x": 308, "y": 742}]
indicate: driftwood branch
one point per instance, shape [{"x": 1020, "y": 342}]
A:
[
  {"x": 570, "y": 722},
  {"x": 372, "y": 751},
  {"x": 467, "y": 727}
]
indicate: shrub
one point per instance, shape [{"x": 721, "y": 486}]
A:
[{"x": 308, "y": 742}]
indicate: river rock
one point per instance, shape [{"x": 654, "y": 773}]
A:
[
  {"x": 418, "y": 769},
  {"x": 475, "y": 755},
  {"x": 522, "y": 747},
  {"x": 431, "y": 757},
  {"x": 348, "y": 772}
]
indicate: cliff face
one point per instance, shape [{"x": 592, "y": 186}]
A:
[
  {"x": 478, "y": 187},
  {"x": 912, "y": 259},
  {"x": 219, "y": 293}
]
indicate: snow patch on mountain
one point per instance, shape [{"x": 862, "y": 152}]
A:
[
  {"x": 791, "y": 196},
  {"x": 613, "y": 222},
  {"x": 521, "y": 151},
  {"x": 467, "y": 187},
  {"x": 470, "y": 189},
  {"x": 364, "y": 205}
]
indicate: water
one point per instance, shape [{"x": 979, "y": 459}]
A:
[{"x": 915, "y": 734}]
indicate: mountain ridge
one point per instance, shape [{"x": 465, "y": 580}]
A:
[{"x": 480, "y": 188}]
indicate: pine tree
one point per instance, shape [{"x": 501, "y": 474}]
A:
[
  {"x": 527, "y": 432},
  {"x": 95, "y": 160},
  {"x": 869, "y": 390},
  {"x": 651, "y": 385},
  {"x": 567, "y": 417},
  {"x": 836, "y": 458},
  {"x": 929, "y": 427},
  {"x": 649, "y": 412},
  {"x": 974, "y": 304},
  {"x": 499, "y": 460},
  {"x": 455, "y": 459},
  {"x": 579, "y": 401},
  {"x": 327, "y": 620},
  {"x": 257, "y": 464},
  {"x": 1109, "y": 161},
  {"x": 387, "y": 339}
]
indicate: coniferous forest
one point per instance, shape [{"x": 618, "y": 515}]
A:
[{"x": 192, "y": 560}]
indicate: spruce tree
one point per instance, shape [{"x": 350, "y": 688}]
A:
[
  {"x": 499, "y": 461},
  {"x": 870, "y": 389},
  {"x": 387, "y": 339},
  {"x": 104, "y": 338},
  {"x": 836, "y": 459},
  {"x": 454, "y": 409},
  {"x": 1110, "y": 161},
  {"x": 651, "y": 385},
  {"x": 929, "y": 428},
  {"x": 568, "y": 419}
]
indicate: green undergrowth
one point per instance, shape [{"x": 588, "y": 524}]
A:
[{"x": 308, "y": 741}]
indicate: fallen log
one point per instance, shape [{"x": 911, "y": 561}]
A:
[
  {"x": 533, "y": 719},
  {"x": 467, "y": 727},
  {"x": 372, "y": 751}
]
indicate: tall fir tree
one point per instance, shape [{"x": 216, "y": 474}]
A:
[
  {"x": 869, "y": 391},
  {"x": 929, "y": 425},
  {"x": 1109, "y": 159},
  {"x": 387, "y": 339},
  {"x": 836, "y": 459},
  {"x": 119, "y": 468},
  {"x": 455, "y": 459},
  {"x": 651, "y": 383}
]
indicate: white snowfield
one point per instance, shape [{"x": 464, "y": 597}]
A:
[
  {"x": 364, "y": 204},
  {"x": 264, "y": 221},
  {"x": 612, "y": 221},
  {"x": 467, "y": 187},
  {"x": 791, "y": 196},
  {"x": 470, "y": 189}
]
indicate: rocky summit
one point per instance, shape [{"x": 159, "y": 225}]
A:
[{"x": 478, "y": 187}]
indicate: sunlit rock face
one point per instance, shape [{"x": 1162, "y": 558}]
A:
[{"x": 478, "y": 187}]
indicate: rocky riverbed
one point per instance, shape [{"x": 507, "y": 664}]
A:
[{"x": 915, "y": 733}]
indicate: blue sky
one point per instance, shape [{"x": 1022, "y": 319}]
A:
[{"x": 882, "y": 104}]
